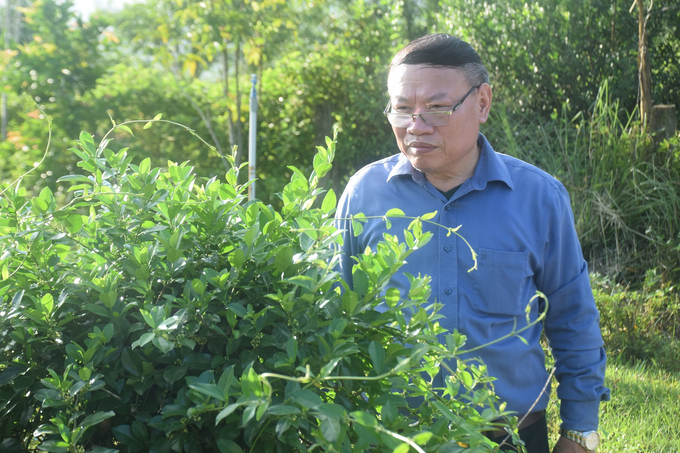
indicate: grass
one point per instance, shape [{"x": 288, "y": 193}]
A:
[{"x": 643, "y": 413}]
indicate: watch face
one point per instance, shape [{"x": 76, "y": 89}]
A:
[{"x": 592, "y": 440}]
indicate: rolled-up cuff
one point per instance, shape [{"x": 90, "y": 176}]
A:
[{"x": 579, "y": 415}]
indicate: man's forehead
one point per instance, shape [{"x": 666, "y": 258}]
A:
[{"x": 429, "y": 82}]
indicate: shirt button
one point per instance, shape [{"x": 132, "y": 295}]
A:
[
  {"x": 447, "y": 207},
  {"x": 447, "y": 248},
  {"x": 448, "y": 291}
]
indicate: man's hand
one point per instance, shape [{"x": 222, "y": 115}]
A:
[{"x": 565, "y": 445}]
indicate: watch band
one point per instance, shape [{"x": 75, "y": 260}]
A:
[{"x": 588, "y": 439}]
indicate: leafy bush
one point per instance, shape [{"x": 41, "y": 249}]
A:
[
  {"x": 640, "y": 324},
  {"x": 158, "y": 311}
]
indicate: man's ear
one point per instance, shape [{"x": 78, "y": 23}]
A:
[{"x": 484, "y": 99}]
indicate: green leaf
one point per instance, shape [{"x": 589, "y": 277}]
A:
[
  {"x": 330, "y": 201},
  {"x": 365, "y": 419},
  {"x": 377, "y": 354},
  {"x": 422, "y": 438},
  {"x": 392, "y": 297},
  {"x": 96, "y": 418},
  {"x": 209, "y": 389},
  {"x": 131, "y": 362},
  {"x": 126, "y": 129},
  {"x": 306, "y": 398},
  {"x": 39, "y": 205},
  {"x": 284, "y": 258},
  {"x": 47, "y": 303},
  {"x": 228, "y": 446},
  {"x": 394, "y": 212},
  {"x": 291, "y": 349},
  {"x": 261, "y": 409},
  {"x": 97, "y": 309},
  {"x": 164, "y": 345},
  {"x": 140, "y": 431},
  {"x": 237, "y": 309},
  {"x": 402, "y": 448},
  {"x": 125, "y": 436},
  {"x": 330, "y": 429},
  {"x": 81, "y": 178},
  {"x": 389, "y": 412},
  {"x": 86, "y": 141},
  {"x": 173, "y": 374},
  {"x": 73, "y": 223},
  {"x": 144, "y": 166},
  {"x": 282, "y": 426},
  {"x": 466, "y": 378},
  {"x": 280, "y": 409},
  {"x": 56, "y": 446},
  {"x": 248, "y": 414},
  {"x": 357, "y": 223},
  {"x": 227, "y": 411},
  {"x": 148, "y": 318},
  {"x": 85, "y": 374},
  {"x": 145, "y": 339},
  {"x": 237, "y": 258}
]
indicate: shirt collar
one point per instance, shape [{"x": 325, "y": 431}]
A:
[{"x": 490, "y": 167}]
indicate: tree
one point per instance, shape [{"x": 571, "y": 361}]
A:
[
  {"x": 644, "y": 70},
  {"x": 55, "y": 63}
]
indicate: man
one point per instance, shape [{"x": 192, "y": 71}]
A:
[{"x": 517, "y": 218}]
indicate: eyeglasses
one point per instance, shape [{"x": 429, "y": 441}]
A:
[{"x": 433, "y": 119}]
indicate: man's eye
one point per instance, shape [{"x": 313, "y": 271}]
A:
[{"x": 438, "y": 107}]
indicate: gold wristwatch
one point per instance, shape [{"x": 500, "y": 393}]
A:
[{"x": 588, "y": 439}]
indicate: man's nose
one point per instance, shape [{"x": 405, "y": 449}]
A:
[{"x": 418, "y": 125}]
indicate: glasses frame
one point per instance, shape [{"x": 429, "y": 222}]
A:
[{"x": 423, "y": 116}]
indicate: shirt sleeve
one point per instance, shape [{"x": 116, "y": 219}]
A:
[{"x": 572, "y": 322}]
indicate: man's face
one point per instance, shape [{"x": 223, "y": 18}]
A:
[{"x": 446, "y": 154}]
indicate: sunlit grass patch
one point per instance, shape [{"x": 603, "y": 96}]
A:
[{"x": 643, "y": 412}]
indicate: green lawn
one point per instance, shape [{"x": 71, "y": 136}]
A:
[{"x": 643, "y": 415}]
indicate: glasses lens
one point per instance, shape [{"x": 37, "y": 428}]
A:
[
  {"x": 433, "y": 119},
  {"x": 398, "y": 119},
  {"x": 436, "y": 119}
]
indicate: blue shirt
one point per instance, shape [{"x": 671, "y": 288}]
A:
[{"x": 518, "y": 219}]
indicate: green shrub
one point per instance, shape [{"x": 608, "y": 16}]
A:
[
  {"x": 158, "y": 311},
  {"x": 640, "y": 324}
]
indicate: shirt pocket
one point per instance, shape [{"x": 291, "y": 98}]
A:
[{"x": 502, "y": 282}]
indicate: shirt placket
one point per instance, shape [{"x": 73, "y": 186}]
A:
[{"x": 447, "y": 292}]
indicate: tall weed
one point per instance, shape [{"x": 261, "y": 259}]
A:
[{"x": 625, "y": 193}]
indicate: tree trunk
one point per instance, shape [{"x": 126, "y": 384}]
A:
[{"x": 645, "y": 72}]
